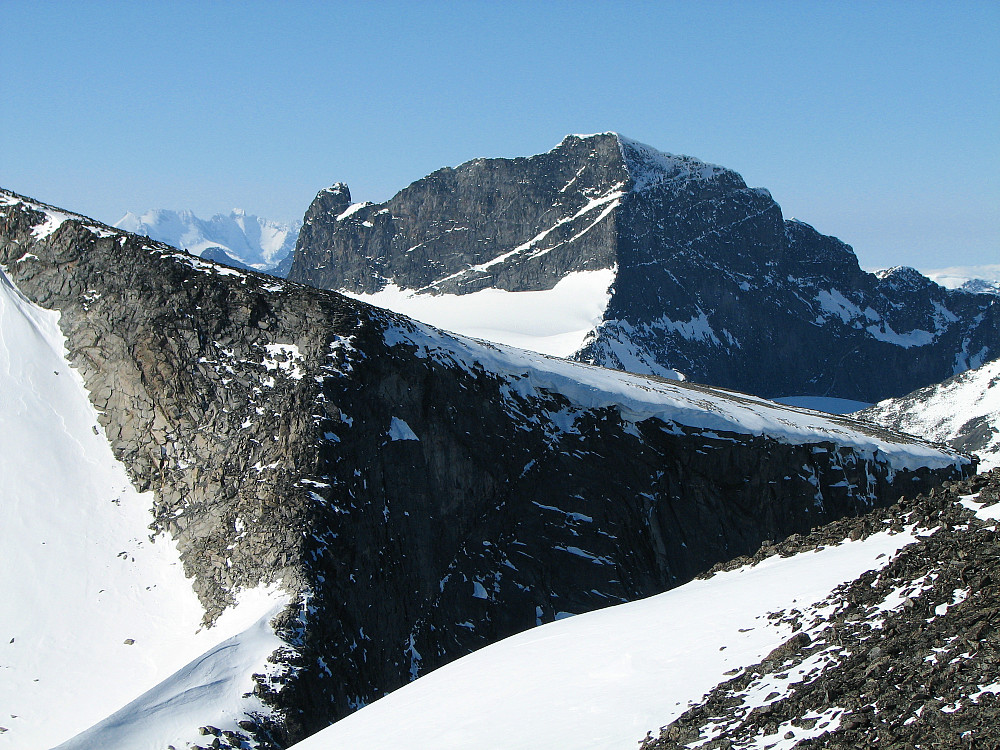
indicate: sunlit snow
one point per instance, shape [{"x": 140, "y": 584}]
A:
[
  {"x": 973, "y": 397},
  {"x": 602, "y": 680},
  {"x": 555, "y": 321},
  {"x": 94, "y": 613}
]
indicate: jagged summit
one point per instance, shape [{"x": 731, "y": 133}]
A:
[
  {"x": 650, "y": 168},
  {"x": 652, "y": 263}
]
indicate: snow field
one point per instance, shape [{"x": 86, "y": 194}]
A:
[
  {"x": 602, "y": 680},
  {"x": 555, "y": 321}
]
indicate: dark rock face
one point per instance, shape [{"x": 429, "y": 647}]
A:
[
  {"x": 417, "y": 502},
  {"x": 711, "y": 281},
  {"x": 908, "y": 658},
  {"x": 435, "y": 232}
]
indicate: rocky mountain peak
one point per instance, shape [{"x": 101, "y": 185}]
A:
[
  {"x": 650, "y": 168},
  {"x": 706, "y": 278},
  {"x": 332, "y": 200}
]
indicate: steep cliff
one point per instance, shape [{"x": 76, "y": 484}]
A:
[
  {"x": 417, "y": 494},
  {"x": 710, "y": 282}
]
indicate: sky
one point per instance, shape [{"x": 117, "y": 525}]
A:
[{"x": 878, "y": 123}]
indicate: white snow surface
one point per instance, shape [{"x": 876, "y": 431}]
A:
[
  {"x": 954, "y": 277},
  {"x": 649, "y": 167},
  {"x": 638, "y": 398},
  {"x": 942, "y": 411},
  {"x": 207, "y": 691},
  {"x": 602, "y": 680},
  {"x": 80, "y": 576},
  {"x": 555, "y": 321},
  {"x": 254, "y": 241}
]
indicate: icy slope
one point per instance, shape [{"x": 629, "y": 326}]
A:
[
  {"x": 252, "y": 240},
  {"x": 602, "y": 680},
  {"x": 963, "y": 411},
  {"x": 94, "y": 612},
  {"x": 552, "y": 321}
]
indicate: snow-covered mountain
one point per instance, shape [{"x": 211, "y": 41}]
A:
[
  {"x": 873, "y": 632},
  {"x": 250, "y": 241},
  {"x": 977, "y": 279},
  {"x": 412, "y": 495},
  {"x": 620, "y": 255},
  {"x": 963, "y": 411}
]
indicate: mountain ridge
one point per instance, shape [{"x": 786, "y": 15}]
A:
[
  {"x": 709, "y": 281},
  {"x": 274, "y": 423}
]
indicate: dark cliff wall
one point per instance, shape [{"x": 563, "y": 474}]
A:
[
  {"x": 453, "y": 219},
  {"x": 274, "y": 423},
  {"x": 713, "y": 283}
]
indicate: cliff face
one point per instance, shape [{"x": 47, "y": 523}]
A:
[
  {"x": 711, "y": 281},
  {"x": 419, "y": 494},
  {"x": 515, "y": 224}
]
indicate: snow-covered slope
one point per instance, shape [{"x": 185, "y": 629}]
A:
[
  {"x": 963, "y": 411},
  {"x": 638, "y": 397},
  {"x": 253, "y": 241},
  {"x": 602, "y": 680},
  {"x": 860, "y": 632},
  {"x": 94, "y": 611}
]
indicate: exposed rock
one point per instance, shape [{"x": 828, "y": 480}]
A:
[
  {"x": 711, "y": 281},
  {"x": 906, "y": 658},
  {"x": 421, "y": 496}
]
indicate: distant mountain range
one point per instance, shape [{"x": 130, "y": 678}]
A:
[
  {"x": 238, "y": 239},
  {"x": 978, "y": 279},
  {"x": 617, "y": 254}
]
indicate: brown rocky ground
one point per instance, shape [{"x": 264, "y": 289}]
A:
[{"x": 904, "y": 657}]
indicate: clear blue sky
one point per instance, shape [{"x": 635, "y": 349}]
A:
[{"x": 875, "y": 122}]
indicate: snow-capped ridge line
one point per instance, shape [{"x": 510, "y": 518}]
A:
[
  {"x": 638, "y": 398},
  {"x": 649, "y": 167}
]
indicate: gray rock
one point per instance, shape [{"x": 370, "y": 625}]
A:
[
  {"x": 711, "y": 280},
  {"x": 272, "y": 467}
]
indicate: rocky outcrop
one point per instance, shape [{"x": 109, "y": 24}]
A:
[
  {"x": 711, "y": 281},
  {"x": 420, "y": 495},
  {"x": 903, "y": 657}
]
